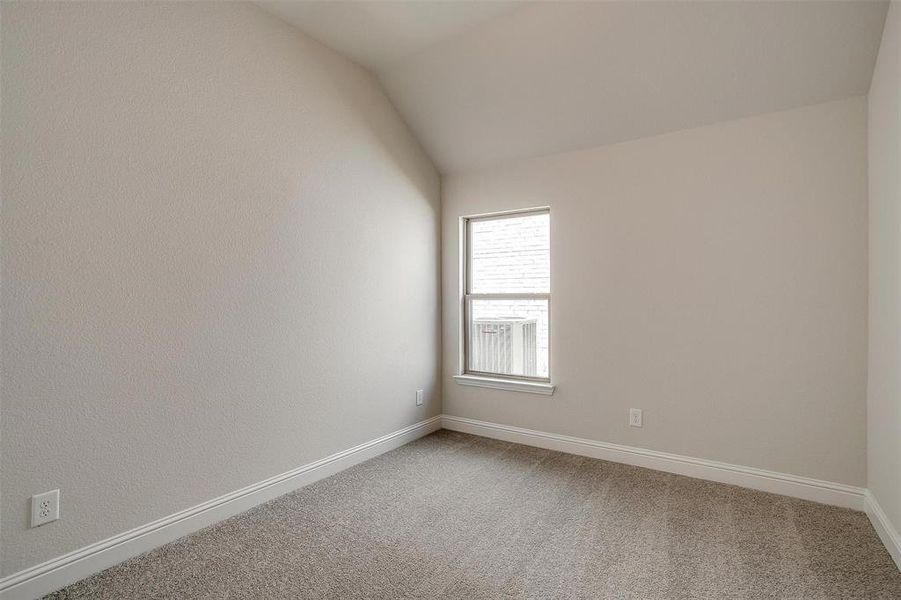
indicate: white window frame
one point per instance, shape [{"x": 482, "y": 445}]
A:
[{"x": 538, "y": 385}]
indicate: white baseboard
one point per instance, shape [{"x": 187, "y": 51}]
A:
[
  {"x": 825, "y": 492},
  {"x": 884, "y": 528},
  {"x": 41, "y": 579}
]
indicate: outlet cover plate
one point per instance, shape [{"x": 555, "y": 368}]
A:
[
  {"x": 44, "y": 508},
  {"x": 635, "y": 417},
  {"x": 419, "y": 395}
]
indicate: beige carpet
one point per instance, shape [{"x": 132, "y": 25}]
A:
[{"x": 458, "y": 516}]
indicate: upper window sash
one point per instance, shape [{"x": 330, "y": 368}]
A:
[{"x": 495, "y": 266}]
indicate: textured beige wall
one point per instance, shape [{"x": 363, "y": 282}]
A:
[
  {"x": 715, "y": 277},
  {"x": 219, "y": 262},
  {"x": 884, "y": 389}
]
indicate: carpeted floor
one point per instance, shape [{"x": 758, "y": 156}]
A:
[{"x": 458, "y": 516}]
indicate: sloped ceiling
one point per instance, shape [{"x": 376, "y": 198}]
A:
[
  {"x": 483, "y": 83},
  {"x": 377, "y": 33}
]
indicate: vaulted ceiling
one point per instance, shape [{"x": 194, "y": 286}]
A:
[{"x": 487, "y": 82}]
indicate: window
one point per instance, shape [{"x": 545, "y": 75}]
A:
[{"x": 506, "y": 298}]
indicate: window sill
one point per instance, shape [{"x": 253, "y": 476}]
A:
[{"x": 511, "y": 385}]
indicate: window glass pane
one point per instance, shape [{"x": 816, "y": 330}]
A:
[
  {"x": 511, "y": 254},
  {"x": 509, "y": 337}
]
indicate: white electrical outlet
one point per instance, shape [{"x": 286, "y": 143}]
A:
[
  {"x": 418, "y": 397},
  {"x": 635, "y": 417},
  {"x": 44, "y": 508}
]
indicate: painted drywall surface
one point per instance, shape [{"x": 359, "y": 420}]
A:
[
  {"x": 558, "y": 76},
  {"x": 884, "y": 387},
  {"x": 219, "y": 262},
  {"x": 714, "y": 277}
]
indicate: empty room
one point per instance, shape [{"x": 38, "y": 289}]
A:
[{"x": 452, "y": 299}]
